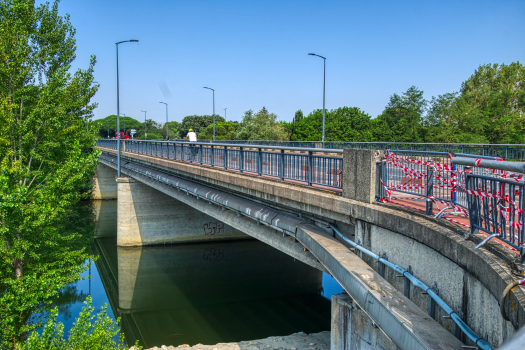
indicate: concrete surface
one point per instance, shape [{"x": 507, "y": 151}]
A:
[
  {"x": 297, "y": 341},
  {"x": 104, "y": 185},
  {"x": 404, "y": 322},
  {"x": 352, "y": 329},
  {"x": 359, "y": 174},
  {"x": 147, "y": 216}
]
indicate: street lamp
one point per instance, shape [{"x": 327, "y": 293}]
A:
[
  {"x": 167, "y": 134},
  {"x": 213, "y": 111},
  {"x": 324, "y": 82},
  {"x": 225, "y": 113},
  {"x": 145, "y": 131},
  {"x": 118, "y": 107}
]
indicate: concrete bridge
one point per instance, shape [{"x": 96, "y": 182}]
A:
[{"x": 162, "y": 200}]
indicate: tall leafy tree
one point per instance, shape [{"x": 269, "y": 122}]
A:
[
  {"x": 46, "y": 160},
  {"x": 198, "y": 123},
  {"x": 262, "y": 125},
  {"x": 341, "y": 124},
  {"x": 401, "y": 121}
]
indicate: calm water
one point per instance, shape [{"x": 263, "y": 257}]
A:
[{"x": 200, "y": 293}]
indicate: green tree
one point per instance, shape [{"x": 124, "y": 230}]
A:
[
  {"x": 46, "y": 159},
  {"x": 401, "y": 121},
  {"x": 342, "y": 124},
  {"x": 98, "y": 335},
  {"x": 495, "y": 93},
  {"x": 261, "y": 126},
  {"x": 223, "y": 131},
  {"x": 198, "y": 123}
]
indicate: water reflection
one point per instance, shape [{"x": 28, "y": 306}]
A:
[
  {"x": 210, "y": 293},
  {"x": 200, "y": 293}
]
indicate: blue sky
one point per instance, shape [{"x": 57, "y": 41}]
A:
[{"x": 254, "y": 53}]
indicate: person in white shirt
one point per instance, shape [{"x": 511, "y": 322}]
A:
[{"x": 191, "y": 136}]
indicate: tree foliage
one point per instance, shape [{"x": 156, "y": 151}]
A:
[
  {"x": 46, "y": 160},
  {"x": 345, "y": 123},
  {"x": 262, "y": 125},
  {"x": 198, "y": 123},
  {"x": 223, "y": 131},
  {"x": 85, "y": 334}
]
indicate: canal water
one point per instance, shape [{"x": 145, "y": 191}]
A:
[{"x": 199, "y": 293}]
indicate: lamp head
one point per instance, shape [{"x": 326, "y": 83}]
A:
[
  {"x": 133, "y": 41},
  {"x": 312, "y": 54}
]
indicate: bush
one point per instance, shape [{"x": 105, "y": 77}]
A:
[{"x": 84, "y": 335}]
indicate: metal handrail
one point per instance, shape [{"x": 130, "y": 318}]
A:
[
  {"x": 308, "y": 167},
  {"x": 216, "y": 144},
  {"x": 482, "y": 343}
]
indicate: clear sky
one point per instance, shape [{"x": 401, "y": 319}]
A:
[{"x": 254, "y": 53}]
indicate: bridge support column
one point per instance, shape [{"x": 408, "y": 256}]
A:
[
  {"x": 352, "y": 329},
  {"x": 105, "y": 186},
  {"x": 146, "y": 216},
  {"x": 359, "y": 174}
]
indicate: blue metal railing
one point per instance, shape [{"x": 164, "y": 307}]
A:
[
  {"x": 496, "y": 207},
  {"x": 305, "y": 165},
  {"x": 514, "y": 152}
]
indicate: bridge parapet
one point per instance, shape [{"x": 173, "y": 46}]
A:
[{"x": 486, "y": 272}]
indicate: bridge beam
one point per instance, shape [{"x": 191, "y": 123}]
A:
[{"x": 147, "y": 217}]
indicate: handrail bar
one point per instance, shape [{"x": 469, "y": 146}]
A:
[
  {"x": 482, "y": 343},
  {"x": 390, "y": 143},
  {"x": 492, "y": 164},
  {"x": 302, "y": 149}
]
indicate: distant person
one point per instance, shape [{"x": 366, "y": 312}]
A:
[{"x": 191, "y": 136}]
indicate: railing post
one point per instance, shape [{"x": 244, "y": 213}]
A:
[
  {"x": 309, "y": 168},
  {"x": 282, "y": 165},
  {"x": 241, "y": 159},
  {"x": 225, "y": 157},
  {"x": 259, "y": 162},
  {"x": 212, "y": 156},
  {"x": 200, "y": 154},
  {"x": 430, "y": 191},
  {"x": 473, "y": 207}
]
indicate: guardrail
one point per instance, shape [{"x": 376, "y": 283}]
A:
[
  {"x": 303, "y": 165},
  {"x": 486, "y": 190},
  {"x": 514, "y": 152}
]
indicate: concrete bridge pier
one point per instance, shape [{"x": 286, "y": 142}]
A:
[{"x": 146, "y": 216}]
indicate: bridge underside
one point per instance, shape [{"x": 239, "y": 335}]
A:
[{"x": 309, "y": 241}]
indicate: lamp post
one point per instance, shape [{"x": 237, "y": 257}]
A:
[
  {"x": 324, "y": 82},
  {"x": 108, "y": 129},
  {"x": 145, "y": 131},
  {"x": 213, "y": 111},
  {"x": 225, "y": 113},
  {"x": 167, "y": 134},
  {"x": 118, "y": 108}
]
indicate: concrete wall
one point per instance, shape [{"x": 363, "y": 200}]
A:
[
  {"x": 146, "y": 217},
  {"x": 105, "y": 186},
  {"x": 359, "y": 174},
  {"x": 352, "y": 329},
  {"x": 458, "y": 288}
]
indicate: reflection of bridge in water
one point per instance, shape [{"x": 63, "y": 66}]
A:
[{"x": 210, "y": 292}]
